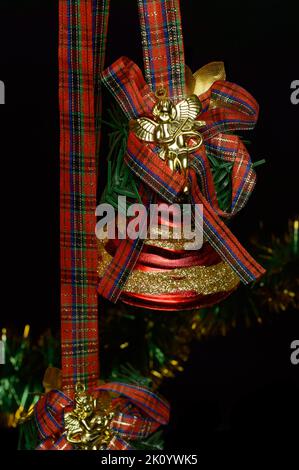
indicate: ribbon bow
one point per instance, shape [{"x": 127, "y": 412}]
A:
[
  {"x": 135, "y": 414},
  {"x": 225, "y": 107}
]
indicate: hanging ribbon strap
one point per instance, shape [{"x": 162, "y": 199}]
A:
[
  {"x": 82, "y": 34},
  {"x": 163, "y": 48}
]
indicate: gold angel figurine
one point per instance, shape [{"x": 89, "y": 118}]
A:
[
  {"x": 88, "y": 424},
  {"x": 174, "y": 129}
]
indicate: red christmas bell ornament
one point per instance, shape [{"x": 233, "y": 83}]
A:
[{"x": 184, "y": 149}]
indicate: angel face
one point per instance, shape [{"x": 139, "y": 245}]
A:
[
  {"x": 85, "y": 403},
  {"x": 164, "y": 110}
]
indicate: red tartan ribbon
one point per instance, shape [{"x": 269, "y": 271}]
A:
[
  {"x": 138, "y": 413},
  {"x": 163, "y": 47},
  {"x": 82, "y": 41},
  {"x": 236, "y": 110}
]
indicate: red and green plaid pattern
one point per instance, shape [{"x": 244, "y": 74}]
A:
[
  {"x": 138, "y": 413},
  {"x": 163, "y": 48},
  {"x": 100, "y": 28},
  {"x": 126, "y": 83},
  {"x": 124, "y": 260},
  {"x": 236, "y": 109},
  {"x": 145, "y": 163},
  {"x": 81, "y": 53},
  {"x": 121, "y": 266},
  {"x": 222, "y": 239},
  {"x": 227, "y": 148}
]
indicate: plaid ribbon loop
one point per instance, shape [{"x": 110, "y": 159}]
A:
[
  {"x": 226, "y": 107},
  {"x": 138, "y": 413}
]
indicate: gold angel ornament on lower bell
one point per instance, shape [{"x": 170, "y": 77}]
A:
[
  {"x": 174, "y": 129},
  {"x": 87, "y": 426}
]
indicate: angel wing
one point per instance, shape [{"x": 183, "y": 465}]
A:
[
  {"x": 71, "y": 423},
  {"x": 144, "y": 128},
  {"x": 188, "y": 108}
]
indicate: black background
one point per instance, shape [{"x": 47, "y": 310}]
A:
[{"x": 243, "y": 385}]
